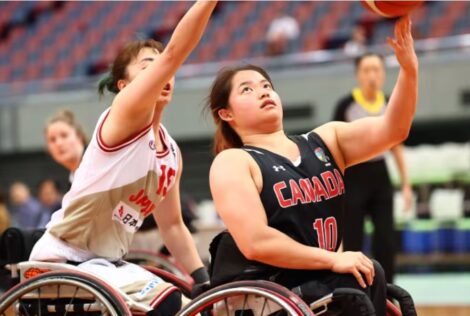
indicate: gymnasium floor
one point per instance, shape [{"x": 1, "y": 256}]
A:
[{"x": 438, "y": 294}]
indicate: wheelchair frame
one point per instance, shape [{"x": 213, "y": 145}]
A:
[{"x": 222, "y": 300}]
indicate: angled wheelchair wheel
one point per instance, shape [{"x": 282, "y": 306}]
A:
[
  {"x": 157, "y": 260},
  {"x": 249, "y": 298},
  {"x": 171, "y": 278},
  {"x": 62, "y": 293}
]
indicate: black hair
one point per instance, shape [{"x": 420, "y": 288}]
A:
[
  {"x": 358, "y": 59},
  {"x": 118, "y": 69}
]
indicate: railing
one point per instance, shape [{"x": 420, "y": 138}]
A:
[{"x": 291, "y": 61}]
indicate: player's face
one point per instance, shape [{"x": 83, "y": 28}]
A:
[
  {"x": 143, "y": 59},
  {"x": 371, "y": 73},
  {"x": 253, "y": 103},
  {"x": 63, "y": 143}
]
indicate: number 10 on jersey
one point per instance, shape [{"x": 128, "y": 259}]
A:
[{"x": 327, "y": 233}]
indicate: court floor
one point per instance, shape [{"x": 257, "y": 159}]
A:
[{"x": 438, "y": 294}]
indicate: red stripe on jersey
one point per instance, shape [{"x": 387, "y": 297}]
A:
[
  {"x": 131, "y": 139},
  {"x": 166, "y": 150}
]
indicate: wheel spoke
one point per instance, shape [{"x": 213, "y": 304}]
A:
[
  {"x": 39, "y": 301},
  {"x": 71, "y": 300},
  {"x": 24, "y": 308},
  {"x": 226, "y": 307},
  {"x": 244, "y": 304},
  {"x": 264, "y": 306},
  {"x": 89, "y": 306}
]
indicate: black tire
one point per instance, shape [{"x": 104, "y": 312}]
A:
[
  {"x": 271, "y": 293},
  {"x": 16, "y": 300}
]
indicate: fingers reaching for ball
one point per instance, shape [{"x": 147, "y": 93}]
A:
[{"x": 403, "y": 44}]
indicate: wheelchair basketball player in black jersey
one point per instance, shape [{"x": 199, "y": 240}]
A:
[{"x": 281, "y": 197}]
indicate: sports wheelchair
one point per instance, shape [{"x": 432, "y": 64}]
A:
[
  {"x": 265, "y": 298},
  {"x": 45, "y": 288},
  {"x": 62, "y": 289}
]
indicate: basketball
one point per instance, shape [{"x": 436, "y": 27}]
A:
[{"x": 391, "y": 9}]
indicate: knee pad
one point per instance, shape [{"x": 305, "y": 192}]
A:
[{"x": 170, "y": 306}]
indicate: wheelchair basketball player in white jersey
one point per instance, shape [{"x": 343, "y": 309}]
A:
[{"x": 131, "y": 169}]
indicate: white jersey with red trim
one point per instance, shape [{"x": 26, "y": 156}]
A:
[{"x": 113, "y": 190}]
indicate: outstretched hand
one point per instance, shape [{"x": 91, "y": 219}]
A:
[{"x": 402, "y": 44}]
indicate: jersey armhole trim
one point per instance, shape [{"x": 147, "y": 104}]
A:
[
  {"x": 166, "y": 149},
  {"x": 131, "y": 139}
]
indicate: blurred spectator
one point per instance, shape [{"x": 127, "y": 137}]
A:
[
  {"x": 50, "y": 197},
  {"x": 4, "y": 214},
  {"x": 282, "y": 31},
  {"x": 26, "y": 211},
  {"x": 358, "y": 42},
  {"x": 65, "y": 140}
]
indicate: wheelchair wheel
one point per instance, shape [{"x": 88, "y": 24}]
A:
[
  {"x": 62, "y": 293},
  {"x": 171, "y": 278},
  {"x": 249, "y": 298},
  {"x": 145, "y": 258}
]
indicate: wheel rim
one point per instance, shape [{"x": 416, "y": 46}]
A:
[
  {"x": 243, "y": 301},
  {"x": 144, "y": 258},
  {"x": 60, "y": 296}
]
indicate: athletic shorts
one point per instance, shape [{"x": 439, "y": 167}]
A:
[{"x": 141, "y": 285}]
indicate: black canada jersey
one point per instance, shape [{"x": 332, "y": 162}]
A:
[{"x": 304, "y": 200}]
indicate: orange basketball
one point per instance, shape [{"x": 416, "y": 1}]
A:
[{"x": 391, "y": 9}]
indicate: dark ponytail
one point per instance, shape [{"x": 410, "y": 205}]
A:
[{"x": 107, "y": 83}]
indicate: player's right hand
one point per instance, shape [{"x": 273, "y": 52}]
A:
[
  {"x": 355, "y": 263},
  {"x": 403, "y": 45}
]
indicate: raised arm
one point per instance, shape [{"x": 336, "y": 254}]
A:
[
  {"x": 238, "y": 203},
  {"x": 133, "y": 107},
  {"x": 363, "y": 139}
]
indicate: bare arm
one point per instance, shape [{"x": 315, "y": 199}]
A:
[
  {"x": 243, "y": 213},
  {"x": 407, "y": 192},
  {"x": 363, "y": 139},
  {"x": 238, "y": 203},
  {"x": 133, "y": 107},
  {"x": 399, "y": 157},
  {"x": 174, "y": 232}
]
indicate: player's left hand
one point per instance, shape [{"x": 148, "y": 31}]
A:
[{"x": 402, "y": 44}]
